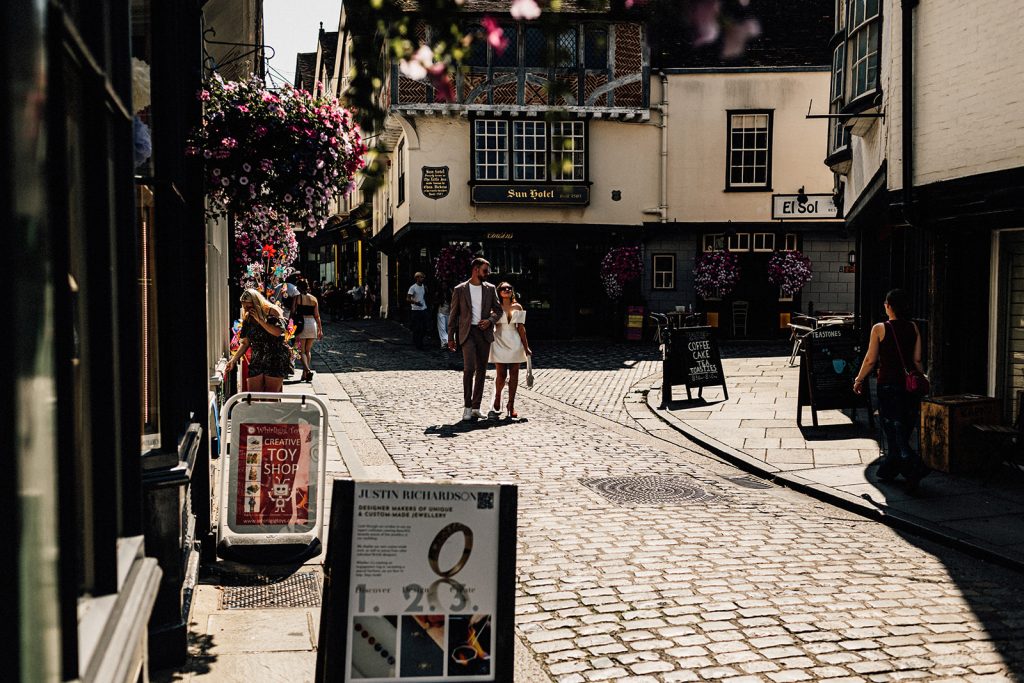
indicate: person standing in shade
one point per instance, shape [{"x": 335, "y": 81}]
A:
[
  {"x": 474, "y": 310},
  {"x": 442, "y": 322},
  {"x": 510, "y": 348},
  {"x": 895, "y": 347},
  {"x": 420, "y": 315}
]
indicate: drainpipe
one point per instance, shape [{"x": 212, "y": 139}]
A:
[
  {"x": 663, "y": 109},
  {"x": 907, "y": 82}
]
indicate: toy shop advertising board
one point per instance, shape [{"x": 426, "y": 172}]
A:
[
  {"x": 419, "y": 582},
  {"x": 273, "y": 477}
]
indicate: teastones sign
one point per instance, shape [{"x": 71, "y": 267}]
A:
[{"x": 423, "y": 592}]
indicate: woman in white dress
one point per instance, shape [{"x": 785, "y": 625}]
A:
[{"x": 509, "y": 349}]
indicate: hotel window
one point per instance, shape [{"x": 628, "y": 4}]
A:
[
  {"x": 565, "y": 49},
  {"x": 529, "y": 150},
  {"x": 510, "y": 55},
  {"x": 749, "y": 150},
  {"x": 567, "y": 147},
  {"x": 491, "y": 145},
  {"x": 739, "y": 242},
  {"x": 791, "y": 242},
  {"x": 663, "y": 267},
  {"x": 863, "y": 42},
  {"x": 764, "y": 241},
  {"x": 714, "y": 242}
]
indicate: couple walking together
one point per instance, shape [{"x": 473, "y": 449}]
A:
[{"x": 491, "y": 327}]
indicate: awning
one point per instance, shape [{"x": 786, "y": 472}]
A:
[{"x": 384, "y": 240}]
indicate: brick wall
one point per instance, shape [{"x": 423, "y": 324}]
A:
[
  {"x": 829, "y": 289},
  {"x": 685, "y": 248}
]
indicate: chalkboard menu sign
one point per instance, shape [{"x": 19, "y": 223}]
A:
[
  {"x": 831, "y": 360},
  {"x": 692, "y": 358},
  {"x": 435, "y": 183}
]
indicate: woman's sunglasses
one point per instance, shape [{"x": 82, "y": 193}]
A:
[{"x": 504, "y": 289}]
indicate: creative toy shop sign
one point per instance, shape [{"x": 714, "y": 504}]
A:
[{"x": 421, "y": 583}]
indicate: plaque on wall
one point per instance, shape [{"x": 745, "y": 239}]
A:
[
  {"x": 534, "y": 195},
  {"x": 435, "y": 183}
]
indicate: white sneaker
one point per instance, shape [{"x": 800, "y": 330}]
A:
[
  {"x": 478, "y": 415},
  {"x": 467, "y": 414}
]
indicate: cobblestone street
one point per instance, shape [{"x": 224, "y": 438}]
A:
[{"x": 694, "y": 573}]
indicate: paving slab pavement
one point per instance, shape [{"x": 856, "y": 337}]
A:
[{"x": 836, "y": 461}]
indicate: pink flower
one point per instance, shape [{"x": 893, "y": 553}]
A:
[
  {"x": 525, "y": 10},
  {"x": 242, "y": 108},
  {"x": 204, "y": 95},
  {"x": 495, "y": 34}
]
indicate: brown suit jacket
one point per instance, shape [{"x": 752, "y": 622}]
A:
[{"x": 460, "y": 316}]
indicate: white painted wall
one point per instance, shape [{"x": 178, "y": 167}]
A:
[
  {"x": 698, "y": 103},
  {"x": 968, "y": 94}
]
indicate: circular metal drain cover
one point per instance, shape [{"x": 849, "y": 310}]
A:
[
  {"x": 298, "y": 590},
  {"x": 652, "y": 490}
]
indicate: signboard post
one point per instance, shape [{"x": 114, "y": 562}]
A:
[
  {"x": 273, "y": 452},
  {"x": 634, "y": 323},
  {"x": 419, "y": 583},
  {"x": 692, "y": 358},
  {"x": 832, "y": 358}
]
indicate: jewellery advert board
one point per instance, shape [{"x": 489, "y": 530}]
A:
[{"x": 420, "y": 583}]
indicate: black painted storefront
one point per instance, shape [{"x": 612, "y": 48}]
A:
[
  {"x": 555, "y": 269},
  {"x": 941, "y": 251}
]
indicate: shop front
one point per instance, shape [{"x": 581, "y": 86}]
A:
[{"x": 555, "y": 269}]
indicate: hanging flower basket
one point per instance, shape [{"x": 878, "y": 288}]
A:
[
  {"x": 452, "y": 265},
  {"x": 265, "y": 248},
  {"x": 619, "y": 267},
  {"x": 716, "y": 274},
  {"x": 287, "y": 151},
  {"x": 789, "y": 271}
]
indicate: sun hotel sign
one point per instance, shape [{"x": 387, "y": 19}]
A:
[{"x": 547, "y": 195}]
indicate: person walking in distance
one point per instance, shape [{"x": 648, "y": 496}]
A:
[
  {"x": 510, "y": 348},
  {"x": 474, "y": 310},
  {"x": 420, "y": 317},
  {"x": 306, "y": 312}
]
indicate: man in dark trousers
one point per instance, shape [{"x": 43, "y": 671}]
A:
[
  {"x": 475, "y": 309},
  {"x": 419, "y": 317}
]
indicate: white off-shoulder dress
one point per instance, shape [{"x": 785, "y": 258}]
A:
[{"x": 508, "y": 346}]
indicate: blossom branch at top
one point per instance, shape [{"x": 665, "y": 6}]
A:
[{"x": 290, "y": 151}]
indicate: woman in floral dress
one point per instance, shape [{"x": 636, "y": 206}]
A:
[{"x": 263, "y": 329}]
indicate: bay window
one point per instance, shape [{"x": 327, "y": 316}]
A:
[{"x": 863, "y": 44}]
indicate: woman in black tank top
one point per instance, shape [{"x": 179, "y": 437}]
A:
[{"x": 892, "y": 342}]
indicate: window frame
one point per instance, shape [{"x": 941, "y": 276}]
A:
[
  {"x": 508, "y": 152},
  {"x": 718, "y": 242},
  {"x": 743, "y": 187},
  {"x": 786, "y": 241},
  {"x": 764, "y": 248},
  {"x": 854, "y": 31},
  {"x": 519, "y": 137},
  {"x": 556, "y": 156},
  {"x": 670, "y": 272},
  {"x": 738, "y": 238},
  {"x": 502, "y": 151}
]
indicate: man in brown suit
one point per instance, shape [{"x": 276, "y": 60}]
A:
[{"x": 475, "y": 309}]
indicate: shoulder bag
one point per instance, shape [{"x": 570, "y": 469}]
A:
[{"x": 914, "y": 382}]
